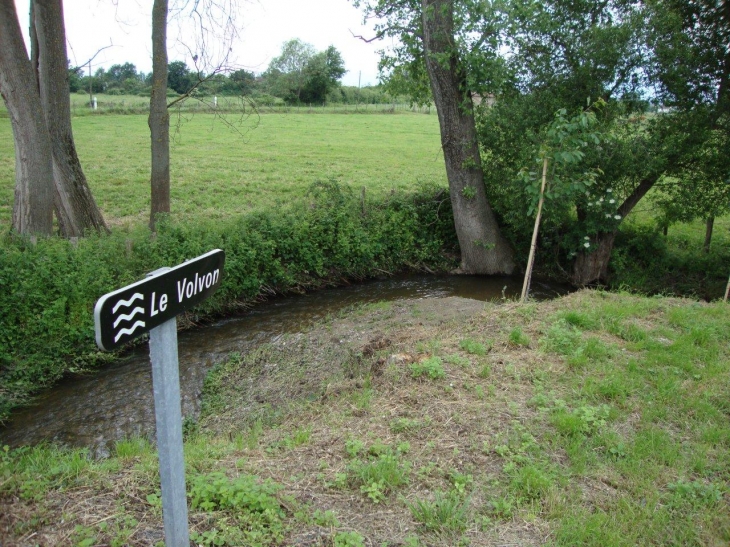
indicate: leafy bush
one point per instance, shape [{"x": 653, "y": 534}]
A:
[{"x": 255, "y": 516}]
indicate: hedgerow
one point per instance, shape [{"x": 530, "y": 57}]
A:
[{"x": 49, "y": 288}]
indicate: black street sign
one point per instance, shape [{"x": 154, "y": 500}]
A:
[{"x": 129, "y": 312}]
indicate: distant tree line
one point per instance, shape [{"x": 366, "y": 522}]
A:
[{"x": 299, "y": 75}]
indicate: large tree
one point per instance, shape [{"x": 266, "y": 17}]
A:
[
  {"x": 38, "y": 89},
  {"x": 33, "y": 204},
  {"x": 559, "y": 55},
  {"x": 208, "y": 38},
  {"x": 563, "y": 52},
  {"x": 76, "y": 210},
  {"x": 286, "y": 73},
  {"x": 323, "y": 72},
  {"x": 447, "y": 45}
]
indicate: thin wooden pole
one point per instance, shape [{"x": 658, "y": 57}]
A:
[
  {"x": 727, "y": 290},
  {"x": 533, "y": 244}
]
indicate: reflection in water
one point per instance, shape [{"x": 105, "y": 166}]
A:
[{"x": 116, "y": 401}]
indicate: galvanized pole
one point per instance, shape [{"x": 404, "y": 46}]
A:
[{"x": 168, "y": 416}]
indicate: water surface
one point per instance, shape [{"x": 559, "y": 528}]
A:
[{"x": 116, "y": 401}]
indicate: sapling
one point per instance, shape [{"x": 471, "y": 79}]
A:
[{"x": 560, "y": 151}]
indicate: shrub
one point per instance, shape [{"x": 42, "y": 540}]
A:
[{"x": 50, "y": 288}]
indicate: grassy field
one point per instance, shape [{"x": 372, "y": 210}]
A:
[
  {"x": 596, "y": 419},
  {"x": 221, "y": 169}
]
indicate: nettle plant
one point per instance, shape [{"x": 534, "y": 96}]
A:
[{"x": 558, "y": 175}]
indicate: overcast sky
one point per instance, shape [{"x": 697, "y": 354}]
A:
[{"x": 264, "y": 25}]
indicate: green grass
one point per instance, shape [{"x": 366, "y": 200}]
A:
[
  {"x": 263, "y": 160},
  {"x": 629, "y": 447}
]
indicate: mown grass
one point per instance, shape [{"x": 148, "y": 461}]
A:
[
  {"x": 609, "y": 429},
  {"x": 225, "y": 168}
]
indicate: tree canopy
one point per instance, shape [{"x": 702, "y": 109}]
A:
[{"x": 302, "y": 75}]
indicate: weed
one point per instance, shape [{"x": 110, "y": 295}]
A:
[
  {"x": 249, "y": 503},
  {"x": 297, "y": 438},
  {"x": 578, "y": 319},
  {"x": 431, "y": 367},
  {"x": 354, "y": 447},
  {"x": 518, "y": 338},
  {"x": 503, "y": 507},
  {"x": 431, "y": 346},
  {"x": 584, "y": 420},
  {"x": 561, "y": 338},
  {"x": 694, "y": 493},
  {"x": 457, "y": 360},
  {"x": 485, "y": 371},
  {"x": 362, "y": 399},
  {"x": 461, "y": 482},
  {"x": 530, "y": 482},
  {"x": 84, "y": 536},
  {"x": 409, "y": 425},
  {"x": 325, "y": 518},
  {"x": 448, "y": 512},
  {"x": 378, "y": 475},
  {"x": 132, "y": 448},
  {"x": 473, "y": 347},
  {"x": 348, "y": 539}
]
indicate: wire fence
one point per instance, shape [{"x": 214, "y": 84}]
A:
[{"x": 101, "y": 104}]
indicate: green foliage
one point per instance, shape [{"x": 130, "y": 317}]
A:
[
  {"x": 562, "y": 147},
  {"x": 676, "y": 264},
  {"x": 518, "y": 338},
  {"x": 473, "y": 347},
  {"x": 694, "y": 493},
  {"x": 561, "y": 338},
  {"x": 431, "y": 367},
  {"x": 301, "y": 75},
  {"x": 469, "y": 192},
  {"x": 216, "y": 492},
  {"x": 255, "y": 516},
  {"x": 447, "y": 512},
  {"x": 348, "y": 539},
  {"x": 30, "y": 472},
  {"x": 584, "y": 420},
  {"x": 530, "y": 482},
  {"x": 46, "y": 307},
  {"x": 379, "y": 473}
]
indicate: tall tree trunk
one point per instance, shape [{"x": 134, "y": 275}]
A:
[
  {"x": 75, "y": 207},
  {"x": 483, "y": 249},
  {"x": 159, "y": 119},
  {"x": 709, "y": 225},
  {"x": 33, "y": 205},
  {"x": 590, "y": 267}
]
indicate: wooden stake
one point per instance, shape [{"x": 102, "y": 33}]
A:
[{"x": 533, "y": 244}]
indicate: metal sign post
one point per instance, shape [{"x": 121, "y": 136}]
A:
[
  {"x": 152, "y": 305},
  {"x": 168, "y": 418}
]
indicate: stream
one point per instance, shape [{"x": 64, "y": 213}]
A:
[{"x": 115, "y": 402}]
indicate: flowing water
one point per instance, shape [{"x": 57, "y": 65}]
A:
[{"x": 116, "y": 401}]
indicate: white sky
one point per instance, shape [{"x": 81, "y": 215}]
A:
[{"x": 264, "y": 25}]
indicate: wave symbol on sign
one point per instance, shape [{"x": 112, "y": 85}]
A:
[
  {"x": 128, "y": 331},
  {"x": 125, "y": 317}
]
